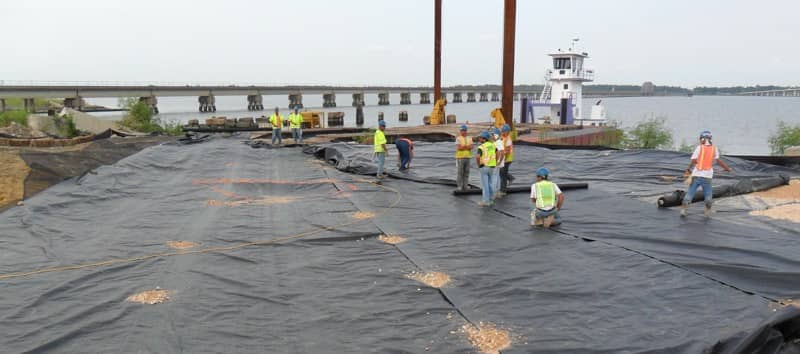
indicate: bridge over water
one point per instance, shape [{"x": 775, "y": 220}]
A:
[
  {"x": 73, "y": 95},
  {"x": 790, "y": 92}
]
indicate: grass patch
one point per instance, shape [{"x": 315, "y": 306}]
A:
[{"x": 19, "y": 117}]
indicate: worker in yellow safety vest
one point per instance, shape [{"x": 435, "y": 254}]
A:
[
  {"x": 701, "y": 171},
  {"x": 508, "y": 158},
  {"x": 487, "y": 161},
  {"x": 276, "y": 119},
  {"x": 547, "y": 200},
  {"x": 379, "y": 141},
  {"x": 296, "y": 124},
  {"x": 463, "y": 156}
]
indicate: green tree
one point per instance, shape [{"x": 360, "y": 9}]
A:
[
  {"x": 650, "y": 134},
  {"x": 786, "y": 136}
]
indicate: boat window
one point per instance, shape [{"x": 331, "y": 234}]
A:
[
  {"x": 566, "y": 86},
  {"x": 561, "y": 63}
]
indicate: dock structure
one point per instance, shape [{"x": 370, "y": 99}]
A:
[
  {"x": 74, "y": 95},
  {"x": 790, "y": 92}
]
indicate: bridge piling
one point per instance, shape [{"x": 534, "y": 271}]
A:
[
  {"x": 295, "y": 100},
  {"x": 457, "y": 97},
  {"x": 255, "y": 103},
  {"x": 329, "y": 100},
  {"x": 484, "y": 97},
  {"x": 358, "y": 99},
  {"x": 383, "y": 98},
  {"x": 207, "y": 103},
  {"x": 516, "y": 97},
  {"x": 405, "y": 98},
  {"x": 470, "y": 97},
  {"x": 495, "y": 97},
  {"x": 29, "y": 104},
  {"x": 424, "y": 98}
]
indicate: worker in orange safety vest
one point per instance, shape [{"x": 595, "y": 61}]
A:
[{"x": 701, "y": 171}]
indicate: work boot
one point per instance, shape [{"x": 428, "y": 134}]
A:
[
  {"x": 511, "y": 178},
  {"x": 683, "y": 210},
  {"x": 707, "y": 212}
]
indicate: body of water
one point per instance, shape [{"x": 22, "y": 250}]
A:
[{"x": 741, "y": 125}]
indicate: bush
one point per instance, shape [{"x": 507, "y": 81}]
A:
[
  {"x": 20, "y": 117},
  {"x": 141, "y": 119},
  {"x": 650, "y": 134},
  {"x": 786, "y": 136},
  {"x": 66, "y": 126}
]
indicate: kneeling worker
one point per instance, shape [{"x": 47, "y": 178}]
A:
[{"x": 547, "y": 198}]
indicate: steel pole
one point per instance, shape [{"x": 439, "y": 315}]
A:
[
  {"x": 509, "y": 28},
  {"x": 437, "y": 51}
]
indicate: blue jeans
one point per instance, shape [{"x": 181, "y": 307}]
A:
[
  {"x": 297, "y": 134},
  {"x": 708, "y": 192},
  {"x": 487, "y": 183},
  {"x": 276, "y": 134},
  {"x": 496, "y": 186},
  {"x": 541, "y": 214},
  {"x": 381, "y": 159},
  {"x": 405, "y": 153}
]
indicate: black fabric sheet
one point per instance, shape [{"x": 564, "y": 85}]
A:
[{"x": 294, "y": 263}]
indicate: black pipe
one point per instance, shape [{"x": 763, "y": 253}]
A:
[
  {"x": 744, "y": 186},
  {"x": 521, "y": 189},
  {"x": 564, "y": 108}
]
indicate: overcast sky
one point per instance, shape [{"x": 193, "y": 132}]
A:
[{"x": 357, "y": 42}]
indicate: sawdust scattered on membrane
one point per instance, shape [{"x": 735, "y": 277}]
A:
[
  {"x": 432, "y": 279},
  {"x": 790, "y": 212},
  {"x": 787, "y": 192},
  {"x": 391, "y": 239},
  {"x": 254, "y": 201},
  {"x": 150, "y": 297},
  {"x": 182, "y": 245},
  {"x": 361, "y": 215},
  {"x": 487, "y": 337}
]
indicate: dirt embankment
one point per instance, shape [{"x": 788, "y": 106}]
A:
[
  {"x": 12, "y": 177},
  {"x": 26, "y": 171}
]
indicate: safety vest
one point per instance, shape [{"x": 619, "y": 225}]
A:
[
  {"x": 295, "y": 120},
  {"x": 705, "y": 158},
  {"x": 488, "y": 156},
  {"x": 545, "y": 194},
  {"x": 379, "y": 140},
  {"x": 508, "y": 145},
  {"x": 276, "y": 120},
  {"x": 463, "y": 154}
]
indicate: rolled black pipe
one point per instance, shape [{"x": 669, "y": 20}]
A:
[
  {"x": 744, "y": 186},
  {"x": 521, "y": 189}
]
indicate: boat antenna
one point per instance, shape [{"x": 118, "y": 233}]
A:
[{"x": 575, "y": 41}]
